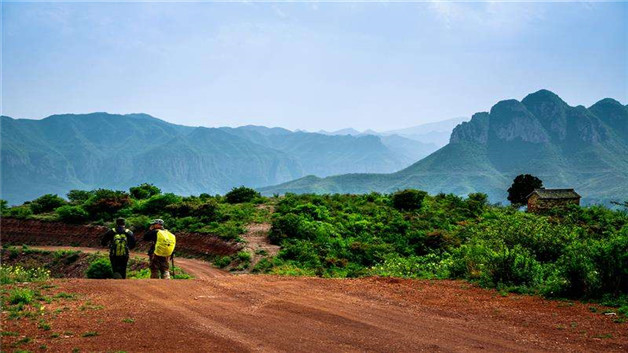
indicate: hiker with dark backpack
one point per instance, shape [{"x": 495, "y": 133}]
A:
[
  {"x": 162, "y": 249},
  {"x": 120, "y": 240}
]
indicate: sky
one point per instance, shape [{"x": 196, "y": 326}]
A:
[{"x": 314, "y": 65}]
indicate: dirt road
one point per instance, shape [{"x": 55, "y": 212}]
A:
[{"x": 218, "y": 313}]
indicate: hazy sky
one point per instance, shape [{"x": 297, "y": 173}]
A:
[{"x": 307, "y": 65}]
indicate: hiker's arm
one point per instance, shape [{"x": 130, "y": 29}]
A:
[
  {"x": 106, "y": 238},
  {"x": 131, "y": 238},
  {"x": 151, "y": 235}
]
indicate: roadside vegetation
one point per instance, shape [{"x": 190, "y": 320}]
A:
[
  {"x": 578, "y": 252},
  {"x": 27, "y": 300},
  {"x": 225, "y": 216},
  {"x": 25, "y": 264}
]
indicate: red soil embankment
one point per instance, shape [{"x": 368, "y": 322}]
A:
[{"x": 35, "y": 232}]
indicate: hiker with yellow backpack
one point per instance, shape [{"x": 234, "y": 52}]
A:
[
  {"x": 161, "y": 250},
  {"x": 119, "y": 240}
]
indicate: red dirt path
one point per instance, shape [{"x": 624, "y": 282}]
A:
[{"x": 285, "y": 314}]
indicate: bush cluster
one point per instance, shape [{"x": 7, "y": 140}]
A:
[
  {"x": 581, "y": 252},
  {"x": 223, "y": 216}
]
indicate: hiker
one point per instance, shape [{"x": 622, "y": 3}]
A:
[
  {"x": 119, "y": 240},
  {"x": 161, "y": 250}
]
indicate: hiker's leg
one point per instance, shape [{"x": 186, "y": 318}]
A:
[
  {"x": 123, "y": 264},
  {"x": 154, "y": 267},
  {"x": 115, "y": 266},
  {"x": 165, "y": 269}
]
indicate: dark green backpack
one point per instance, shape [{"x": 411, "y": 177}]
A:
[{"x": 119, "y": 245}]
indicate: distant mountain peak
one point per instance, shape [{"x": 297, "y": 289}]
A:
[
  {"x": 608, "y": 102},
  {"x": 543, "y": 94}
]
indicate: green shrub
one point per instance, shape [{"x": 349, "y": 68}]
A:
[
  {"x": 4, "y": 206},
  {"x": 18, "y": 274},
  {"x": 263, "y": 266},
  {"x": 144, "y": 191},
  {"x": 241, "y": 194},
  {"x": 244, "y": 256},
  {"x": 104, "y": 203},
  {"x": 23, "y": 211},
  {"x": 157, "y": 204},
  {"x": 79, "y": 196},
  {"x": 99, "y": 269},
  {"x": 429, "y": 266},
  {"x": 408, "y": 200},
  {"x": 21, "y": 296},
  {"x": 72, "y": 214},
  {"x": 46, "y": 203},
  {"x": 223, "y": 261}
]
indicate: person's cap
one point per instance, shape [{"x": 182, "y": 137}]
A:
[
  {"x": 120, "y": 221},
  {"x": 157, "y": 221}
]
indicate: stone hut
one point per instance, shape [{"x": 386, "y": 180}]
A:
[{"x": 544, "y": 199}]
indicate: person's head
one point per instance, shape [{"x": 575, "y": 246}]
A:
[
  {"x": 120, "y": 222},
  {"x": 157, "y": 223}
]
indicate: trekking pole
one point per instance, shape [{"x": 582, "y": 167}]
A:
[{"x": 172, "y": 259}]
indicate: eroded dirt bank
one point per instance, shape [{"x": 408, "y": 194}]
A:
[
  {"x": 278, "y": 314},
  {"x": 34, "y": 232}
]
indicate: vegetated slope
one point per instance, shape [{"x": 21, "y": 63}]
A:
[
  {"x": 100, "y": 150},
  {"x": 565, "y": 146}
]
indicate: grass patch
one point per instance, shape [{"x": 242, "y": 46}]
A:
[
  {"x": 64, "y": 295},
  {"x": 604, "y": 335},
  {"x": 44, "y": 325},
  {"x": 89, "y": 306},
  {"x": 19, "y": 274},
  {"x": 21, "y": 296},
  {"x": 25, "y": 340},
  {"x": 90, "y": 334}
]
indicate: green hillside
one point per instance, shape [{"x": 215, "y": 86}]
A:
[
  {"x": 565, "y": 146},
  {"x": 100, "y": 150}
]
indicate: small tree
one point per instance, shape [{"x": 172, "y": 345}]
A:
[
  {"x": 46, "y": 203},
  {"x": 158, "y": 203},
  {"x": 408, "y": 200},
  {"x": 4, "y": 206},
  {"x": 78, "y": 196},
  {"x": 144, "y": 191},
  {"x": 521, "y": 187},
  {"x": 105, "y": 203},
  {"x": 241, "y": 194},
  {"x": 72, "y": 214}
]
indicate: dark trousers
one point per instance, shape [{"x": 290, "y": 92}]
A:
[{"x": 118, "y": 265}]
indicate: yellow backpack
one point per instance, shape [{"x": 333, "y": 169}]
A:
[
  {"x": 119, "y": 245},
  {"x": 165, "y": 243}
]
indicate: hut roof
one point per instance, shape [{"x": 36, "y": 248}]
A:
[{"x": 555, "y": 194}]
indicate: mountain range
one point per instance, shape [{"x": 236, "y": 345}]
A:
[
  {"x": 565, "y": 146},
  {"x": 433, "y": 135},
  {"x": 100, "y": 150}
]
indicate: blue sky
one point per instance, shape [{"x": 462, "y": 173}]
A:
[{"x": 307, "y": 65}]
